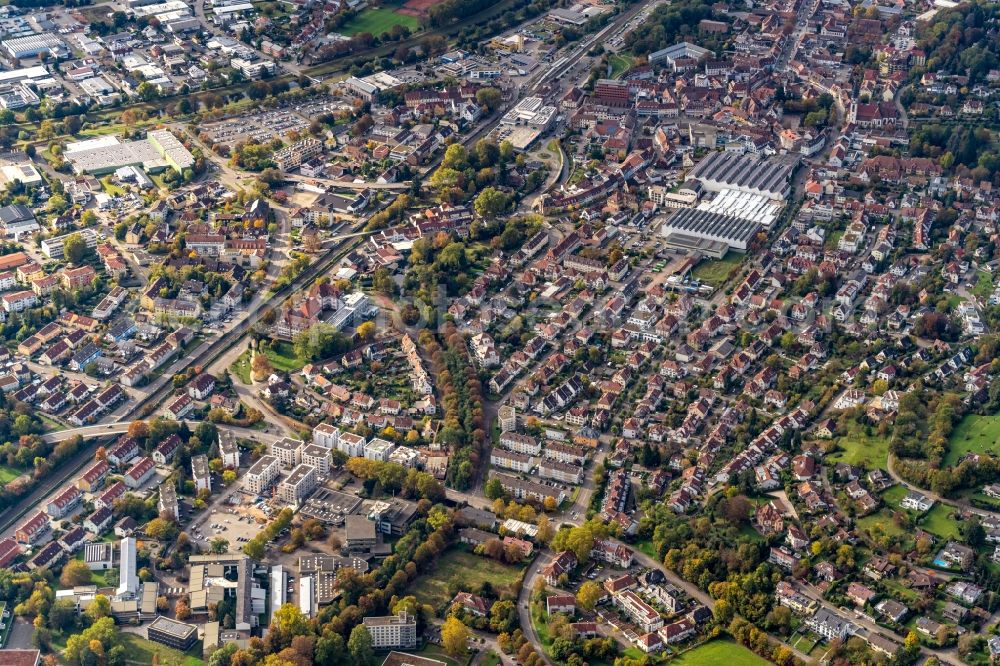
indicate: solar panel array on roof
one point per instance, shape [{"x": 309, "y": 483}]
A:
[
  {"x": 746, "y": 172},
  {"x": 734, "y": 231}
]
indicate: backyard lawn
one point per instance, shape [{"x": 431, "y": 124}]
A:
[
  {"x": 974, "y": 434},
  {"x": 141, "y": 651},
  {"x": 108, "y": 578},
  {"x": 719, "y": 653},
  {"x": 938, "y": 523},
  {"x": 879, "y": 523},
  {"x": 715, "y": 272},
  {"x": 893, "y": 496},
  {"x": 470, "y": 571},
  {"x": 900, "y": 591},
  {"x": 858, "y": 448},
  {"x": 377, "y": 20},
  {"x": 803, "y": 642},
  {"x": 984, "y": 286},
  {"x": 282, "y": 357}
]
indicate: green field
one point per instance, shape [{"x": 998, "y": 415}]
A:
[
  {"x": 619, "y": 65},
  {"x": 282, "y": 357},
  {"x": 901, "y": 592},
  {"x": 880, "y": 521},
  {"x": 803, "y": 642},
  {"x": 51, "y": 425},
  {"x": 111, "y": 187},
  {"x": 974, "y": 434},
  {"x": 937, "y": 522},
  {"x": 471, "y": 571},
  {"x": 241, "y": 367},
  {"x": 8, "y": 474},
  {"x": 833, "y": 239},
  {"x": 719, "y": 653},
  {"x": 984, "y": 285},
  {"x": 377, "y": 20},
  {"x": 141, "y": 651},
  {"x": 893, "y": 496},
  {"x": 857, "y": 448},
  {"x": 435, "y": 652},
  {"x": 715, "y": 272}
]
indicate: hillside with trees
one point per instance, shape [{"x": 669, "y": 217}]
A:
[{"x": 962, "y": 41}]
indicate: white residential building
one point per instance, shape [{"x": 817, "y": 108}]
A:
[
  {"x": 262, "y": 475},
  {"x": 392, "y": 632},
  {"x": 326, "y": 435}
]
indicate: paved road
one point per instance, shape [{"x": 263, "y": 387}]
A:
[
  {"x": 524, "y": 604},
  {"x": 109, "y": 429}
]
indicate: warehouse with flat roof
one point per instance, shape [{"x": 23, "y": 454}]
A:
[
  {"x": 178, "y": 635},
  {"x": 712, "y": 234},
  {"x": 767, "y": 176},
  {"x": 34, "y": 45},
  {"x": 159, "y": 150}
]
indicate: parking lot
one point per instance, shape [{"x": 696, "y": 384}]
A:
[
  {"x": 260, "y": 127},
  {"x": 236, "y": 523}
]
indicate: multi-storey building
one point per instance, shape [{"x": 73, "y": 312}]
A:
[
  {"x": 261, "y": 475},
  {"x": 393, "y": 632},
  {"x": 298, "y": 485},
  {"x": 288, "y": 451},
  {"x": 519, "y": 462},
  {"x": 519, "y": 443},
  {"x": 326, "y": 435},
  {"x": 317, "y": 457}
]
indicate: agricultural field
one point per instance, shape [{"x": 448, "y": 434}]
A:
[
  {"x": 974, "y": 434},
  {"x": 377, "y": 20},
  {"x": 469, "y": 571},
  {"x": 717, "y": 653}
]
